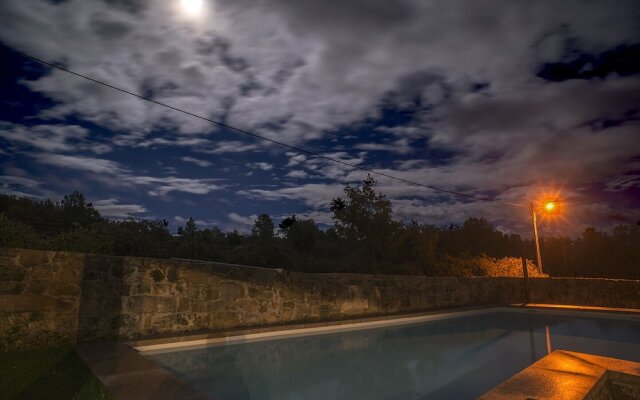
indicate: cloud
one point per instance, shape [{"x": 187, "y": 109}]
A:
[
  {"x": 88, "y": 164},
  {"x": 51, "y": 138},
  {"x": 112, "y": 208},
  {"x": 453, "y": 94},
  {"x": 185, "y": 185},
  {"x": 21, "y": 186},
  {"x": 21, "y": 181},
  {"x": 400, "y": 146},
  {"x": 241, "y": 223},
  {"x": 116, "y": 174},
  {"x": 295, "y": 159},
  {"x": 335, "y": 171},
  {"x": 311, "y": 73},
  {"x": 623, "y": 183},
  {"x": 229, "y": 146},
  {"x": 197, "y": 161},
  {"x": 261, "y": 165},
  {"x": 160, "y": 141},
  {"x": 315, "y": 195},
  {"x": 299, "y": 174}
]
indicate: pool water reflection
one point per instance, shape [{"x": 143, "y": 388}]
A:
[{"x": 454, "y": 358}]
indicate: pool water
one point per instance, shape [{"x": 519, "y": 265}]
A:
[{"x": 457, "y": 358}]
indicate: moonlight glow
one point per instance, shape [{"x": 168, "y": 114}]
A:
[{"x": 192, "y": 7}]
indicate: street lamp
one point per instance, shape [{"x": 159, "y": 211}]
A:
[{"x": 549, "y": 207}]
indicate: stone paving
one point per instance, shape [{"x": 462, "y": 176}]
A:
[
  {"x": 127, "y": 375},
  {"x": 567, "y": 375}
]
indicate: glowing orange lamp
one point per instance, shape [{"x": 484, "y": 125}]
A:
[{"x": 549, "y": 206}]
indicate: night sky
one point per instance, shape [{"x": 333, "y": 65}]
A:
[{"x": 512, "y": 100}]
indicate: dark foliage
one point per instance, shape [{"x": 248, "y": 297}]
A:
[{"x": 364, "y": 238}]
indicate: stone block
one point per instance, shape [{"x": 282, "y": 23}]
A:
[
  {"x": 29, "y": 258},
  {"x": 129, "y": 322},
  {"x": 136, "y": 288},
  {"x": 162, "y": 288},
  {"x": 149, "y": 304},
  {"x": 67, "y": 274},
  {"x": 197, "y": 292},
  {"x": 193, "y": 276},
  {"x": 196, "y": 305},
  {"x": 9, "y": 256},
  {"x": 191, "y": 321},
  {"x": 224, "y": 319},
  {"x": 12, "y": 273},
  {"x": 64, "y": 290},
  {"x": 183, "y": 304},
  {"x": 231, "y": 290},
  {"x": 212, "y": 293},
  {"x": 162, "y": 322},
  {"x": 157, "y": 275},
  {"x": 10, "y": 287},
  {"x": 37, "y": 287},
  {"x": 247, "y": 305},
  {"x": 42, "y": 272},
  {"x": 28, "y": 302},
  {"x": 354, "y": 306}
]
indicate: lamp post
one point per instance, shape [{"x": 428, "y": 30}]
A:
[{"x": 549, "y": 206}]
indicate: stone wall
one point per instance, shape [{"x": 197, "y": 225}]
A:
[
  {"x": 49, "y": 298},
  {"x": 39, "y": 297},
  {"x": 616, "y": 293},
  {"x": 161, "y": 297}
]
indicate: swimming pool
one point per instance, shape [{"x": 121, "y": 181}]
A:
[{"x": 454, "y": 358}]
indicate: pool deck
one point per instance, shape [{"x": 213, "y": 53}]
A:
[
  {"x": 128, "y": 374},
  {"x": 568, "y": 375}
]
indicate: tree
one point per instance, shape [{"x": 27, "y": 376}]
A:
[
  {"x": 303, "y": 234},
  {"x": 188, "y": 234},
  {"x": 142, "y": 238},
  {"x": 265, "y": 251},
  {"x": 365, "y": 218},
  {"x": 77, "y": 211},
  {"x": 419, "y": 247},
  {"x": 263, "y": 228},
  {"x": 287, "y": 222},
  {"x": 365, "y": 238},
  {"x": 363, "y": 214},
  {"x": 189, "y": 229}
]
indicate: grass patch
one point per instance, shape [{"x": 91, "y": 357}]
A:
[{"x": 48, "y": 374}]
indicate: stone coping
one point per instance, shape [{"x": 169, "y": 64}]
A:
[
  {"x": 150, "y": 346},
  {"x": 626, "y": 311},
  {"x": 128, "y": 375},
  {"x": 567, "y": 375},
  {"x": 234, "y": 336},
  {"x": 581, "y": 311}
]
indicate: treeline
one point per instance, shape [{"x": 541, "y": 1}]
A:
[{"x": 364, "y": 238}]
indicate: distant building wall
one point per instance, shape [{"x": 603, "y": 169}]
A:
[{"x": 50, "y": 298}]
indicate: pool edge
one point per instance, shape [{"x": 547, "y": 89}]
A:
[{"x": 243, "y": 335}]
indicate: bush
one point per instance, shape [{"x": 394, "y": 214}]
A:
[{"x": 482, "y": 265}]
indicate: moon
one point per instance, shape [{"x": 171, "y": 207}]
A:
[{"x": 192, "y": 7}]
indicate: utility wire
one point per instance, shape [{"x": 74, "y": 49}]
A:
[{"x": 255, "y": 135}]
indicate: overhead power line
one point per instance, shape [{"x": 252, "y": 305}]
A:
[{"x": 257, "y": 136}]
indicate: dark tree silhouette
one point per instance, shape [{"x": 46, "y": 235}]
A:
[{"x": 364, "y": 238}]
